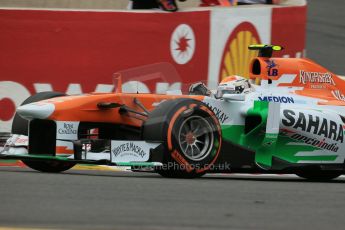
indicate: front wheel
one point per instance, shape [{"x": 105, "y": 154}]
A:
[
  {"x": 49, "y": 166},
  {"x": 190, "y": 133}
]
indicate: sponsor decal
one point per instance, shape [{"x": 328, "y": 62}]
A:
[
  {"x": 315, "y": 77},
  {"x": 338, "y": 95},
  {"x": 67, "y": 130},
  {"x": 179, "y": 159},
  {"x": 222, "y": 117},
  {"x": 317, "y": 86},
  {"x": 321, "y": 144},
  {"x": 271, "y": 68},
  {"x": 127, "y": 151},
  {"x": 17, "y": 140},
  {"x": 182, "y": 44},
  {"x": 129, "y": 148},
  {"x": 314, "y": 124},
  {"x": 280, "y": 99}
]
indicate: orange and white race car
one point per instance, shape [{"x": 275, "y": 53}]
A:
[{"x": 286, "y": 118}]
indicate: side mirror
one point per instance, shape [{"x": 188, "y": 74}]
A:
[{"x": 234, "y": 97}]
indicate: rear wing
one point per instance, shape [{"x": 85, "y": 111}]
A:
[{"x": 265, "y": 50}]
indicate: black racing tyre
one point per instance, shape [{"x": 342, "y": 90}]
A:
[
  {"x": 191, "y": 137},
  {"x": 49, "y": 166},
  {"x": 20, "y": 126},
  {"x": 319, "y": 175}
]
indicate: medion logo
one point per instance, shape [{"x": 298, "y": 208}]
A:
[
  {"x": 129, "y": 147},
  {"x": 314, "y": 124},
  {"x": 277, "y": 99},
  {"x": 315, "y": 77}
]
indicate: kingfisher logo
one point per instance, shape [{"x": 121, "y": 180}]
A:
[
  {"x": 182, "y": 44},
  {"x": 233, "y": 61},
  {"x": 315, "y": 77}
]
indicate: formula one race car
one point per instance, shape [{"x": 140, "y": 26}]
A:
[{"x": 287, "y": 118}]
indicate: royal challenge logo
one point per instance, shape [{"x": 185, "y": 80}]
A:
[{"x": 67, "y": 130}]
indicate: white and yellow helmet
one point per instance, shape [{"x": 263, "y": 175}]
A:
[{"x": 233, "y": 85}]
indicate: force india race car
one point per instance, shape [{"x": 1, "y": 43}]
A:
[{"x": 290, "y": 122}]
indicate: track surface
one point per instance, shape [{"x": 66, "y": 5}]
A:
[
  {"x": 326, "y": 34},
  {"x": 122, "y": 200}
]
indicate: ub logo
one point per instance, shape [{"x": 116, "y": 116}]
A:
[{"x": 271, "y": 68}]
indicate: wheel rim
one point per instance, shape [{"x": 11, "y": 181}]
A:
[{"x": 195, "y": 138}]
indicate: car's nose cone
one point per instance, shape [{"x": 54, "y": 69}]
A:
[{"x": 36, "y": 110}]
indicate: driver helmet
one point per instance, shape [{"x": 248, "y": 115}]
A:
[{"x": 233, "y": 85}]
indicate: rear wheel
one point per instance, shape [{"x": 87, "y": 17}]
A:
[
  {"x": 319, "y": 175},
  {"x": 191, "y": 136},
  {"x": 20, "y": 126}
]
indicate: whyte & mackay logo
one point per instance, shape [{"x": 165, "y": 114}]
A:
[
  {"x": 222, "y": 117},
  {"x": 129, "y": 148}
]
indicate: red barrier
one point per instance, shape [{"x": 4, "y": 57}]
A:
[
  {"x": 288, "y": 30},
  {"x": 78, "y": 51}
]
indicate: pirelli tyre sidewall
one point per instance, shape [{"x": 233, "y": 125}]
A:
[{"x": 170, "y": 122}]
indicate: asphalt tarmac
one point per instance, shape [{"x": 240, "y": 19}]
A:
[
  {"x": 326, "y": 34},
  {"x": 123, "y": 200}
]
